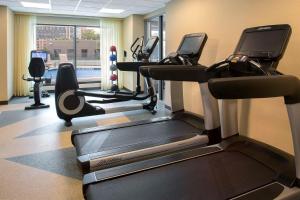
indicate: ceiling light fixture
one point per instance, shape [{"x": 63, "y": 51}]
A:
[
  {"x": 50, "y": 6},
  {"x": 77, "y": 6},
  {"x": 112, "y": 11},
  {"x": 35, "y": 5}
]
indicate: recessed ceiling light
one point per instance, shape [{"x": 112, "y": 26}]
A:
[
  {"x": 77, "y": 6},
  {"x": 113, "y": 11},
  {"x": 35, "y": 5}
]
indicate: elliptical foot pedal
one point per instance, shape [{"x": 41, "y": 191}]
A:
[
  {"x": 153, "y": 112},
  {"x": 37, "y": 106}
]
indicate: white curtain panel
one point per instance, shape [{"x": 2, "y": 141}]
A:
[{"x": 111, "y": 34}]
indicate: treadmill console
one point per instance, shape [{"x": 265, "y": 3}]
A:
[
  {"x": 264, "y": 42},
  {"x": 191, "y": 46},
  {"x": 257, "y": 53}
]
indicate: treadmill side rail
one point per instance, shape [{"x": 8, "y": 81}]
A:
[
  {"x": 141, "y": 154},
  {"x": 135, "y": 167},
  {"x": 116, "y": 126},
  {"x": 84, "y": 160}
]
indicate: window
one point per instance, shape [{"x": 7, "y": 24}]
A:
[
  {"x": 84, "y": 53},
  {"x": 87, "y": 41},
  {"x": 97, "y": 53},
  {"x": 56, "y": 53},
  {"x": 58, "y": 41},
  {"x": 74, "y": 44},
  {"x": 70, "y": 53},
  {"x": 156, "y": 27},
  {"x": 152, "y": 27}
]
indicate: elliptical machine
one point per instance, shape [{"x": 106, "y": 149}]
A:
[
  {"x": 141, "y": 54},
  {"x": 71, "y": 102},
  {"x": 36, "y": 70}
]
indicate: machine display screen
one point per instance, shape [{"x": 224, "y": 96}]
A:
[
  {"x": 191, "y": 45},
  {"x": 40, "y": 54},
  {"x": 267, "y": 42}
]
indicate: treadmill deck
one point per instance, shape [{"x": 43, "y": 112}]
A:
[{"x": 121, "y": 138}]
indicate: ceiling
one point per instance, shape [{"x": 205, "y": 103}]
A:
[{"x": 89, "y": 7}]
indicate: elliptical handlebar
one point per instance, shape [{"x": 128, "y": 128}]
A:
[
  {"x": 137, "y": 49},
  {"x": 134, "y": 54},
  {"x": 142, "y": 45},
  {"x": 136, "y": 40}
]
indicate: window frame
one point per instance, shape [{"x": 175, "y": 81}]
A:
[{"x": 161, "y": 18}]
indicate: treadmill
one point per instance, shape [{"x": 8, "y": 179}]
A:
[
  {"x": 108, "y": 146},
  {"x": 238, "y": 168}
]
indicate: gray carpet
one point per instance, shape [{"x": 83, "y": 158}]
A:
[{"x": 61, "y": 162}]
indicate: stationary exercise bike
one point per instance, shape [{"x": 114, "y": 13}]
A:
[
  {"x": 36, "y": 70},
  {"x": 44, "y": 55}
]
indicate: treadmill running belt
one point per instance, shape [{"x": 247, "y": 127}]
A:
[
  {"x": 106, "y": 140},
  {"x": 217, "y": 176}
]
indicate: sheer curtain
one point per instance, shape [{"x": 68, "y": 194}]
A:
[
  {"x": 111, "y": 34},
  {"x": 24, "y": 37}
]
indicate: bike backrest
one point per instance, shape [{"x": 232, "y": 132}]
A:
[
  {"x": 36, "y": 67},
  {"x": 66, "y": 79}
]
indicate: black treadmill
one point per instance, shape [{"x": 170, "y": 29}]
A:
[
  {"x": 108, "y": 146},
  {"x": 238, "y": 167}
]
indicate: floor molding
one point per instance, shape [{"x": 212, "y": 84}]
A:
[{"x": 3, "y": 102}]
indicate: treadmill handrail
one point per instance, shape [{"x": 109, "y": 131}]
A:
[
  {"x": 132, "y": 66},
  {"x": 286, "y": 86},
  {"x": 197, "y": 73}
]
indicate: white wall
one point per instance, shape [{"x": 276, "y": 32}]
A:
[
  {"x": 224, "y": 21},
  {"x": 133, "y": 27},
  {"x": 10, "y": 54}
]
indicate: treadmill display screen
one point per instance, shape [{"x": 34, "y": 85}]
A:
[
  {"x": 190, "y": 45},
  {"x": 263, "y": 43},
  {"x": 40, "y": 54}
]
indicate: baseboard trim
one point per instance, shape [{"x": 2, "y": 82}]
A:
[
  {"x": 6, "y": 102},
  {"x": 3, "y": 102}
]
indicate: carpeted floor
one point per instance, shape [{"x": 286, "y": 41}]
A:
[{"x": 37, "y": 159}]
